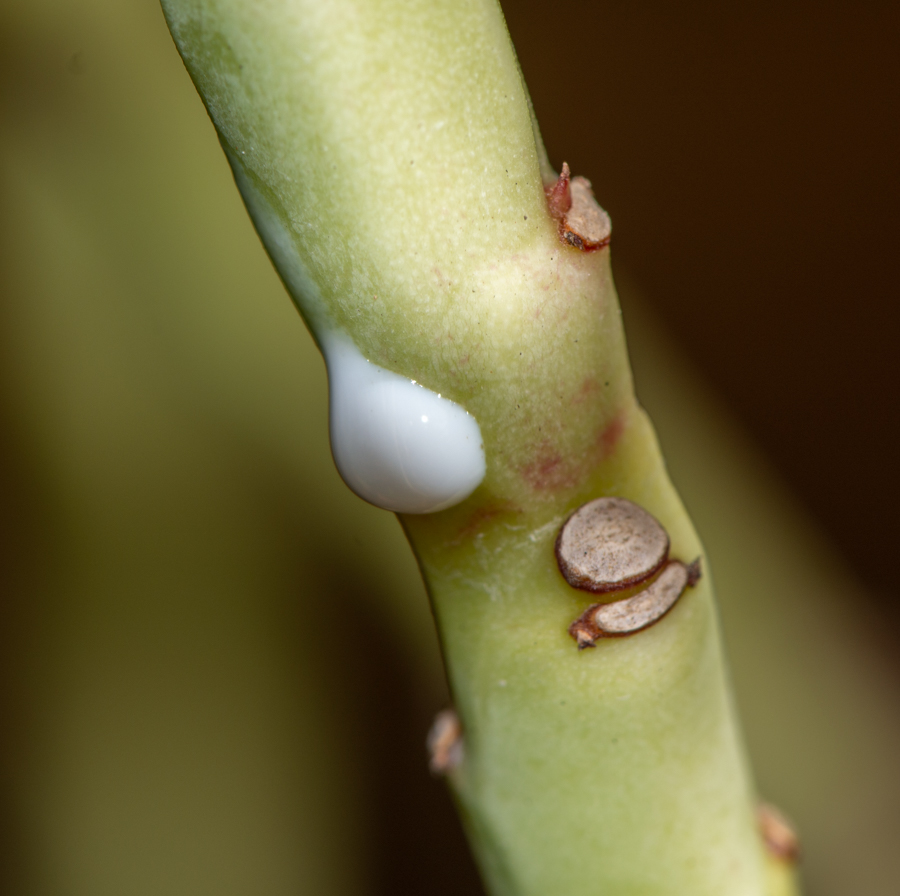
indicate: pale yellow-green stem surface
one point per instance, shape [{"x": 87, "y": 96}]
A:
[{"x": 386, "y": 152}]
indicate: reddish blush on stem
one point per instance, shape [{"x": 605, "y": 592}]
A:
[
  {"x": 590, "y": 386},
  {"x": 609, "y": 436},
  {"x": 481, "y": 517},
  {"x": 549, "y": 472}
]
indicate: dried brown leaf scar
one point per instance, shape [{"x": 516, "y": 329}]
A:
[
  {"x": 625, "y": 617},
  {"x": 445, "y": 745},
  {"x": 610, "y": 544}
]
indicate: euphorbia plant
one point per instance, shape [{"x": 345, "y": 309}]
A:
[{"x": 461, "y": 292}]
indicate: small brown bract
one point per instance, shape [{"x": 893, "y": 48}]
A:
[
  {"x": 445, "y": 743},
  {"x": 582, "y": 223},
  {"x": 559, "y": 195},
  {"x": 610, "y": 544},
  {"x": 625, "y": 617},
  {"x": 778, "y": 833}
]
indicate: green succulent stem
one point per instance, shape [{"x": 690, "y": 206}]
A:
[{"x": 387, "y": 153}]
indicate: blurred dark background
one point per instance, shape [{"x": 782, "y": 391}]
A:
[
  {"x": 749, "y": 155},
  {"x": 174, "y": 719}
]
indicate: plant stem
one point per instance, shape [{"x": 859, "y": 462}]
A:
[{"x": 387, "y": 154}]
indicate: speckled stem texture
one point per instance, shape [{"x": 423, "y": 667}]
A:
[{"x": 386, "y": 151}]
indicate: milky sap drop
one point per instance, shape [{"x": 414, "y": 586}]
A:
[{"x": 397, "y": 444}]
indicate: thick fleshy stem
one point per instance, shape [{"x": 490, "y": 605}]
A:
[{"x": 388, "y": 157}]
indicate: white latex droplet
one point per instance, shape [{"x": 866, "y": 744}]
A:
[{"x": 397, "y": 444}]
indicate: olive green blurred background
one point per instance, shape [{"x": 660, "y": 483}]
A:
[{"x": 217, "y": 666}]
